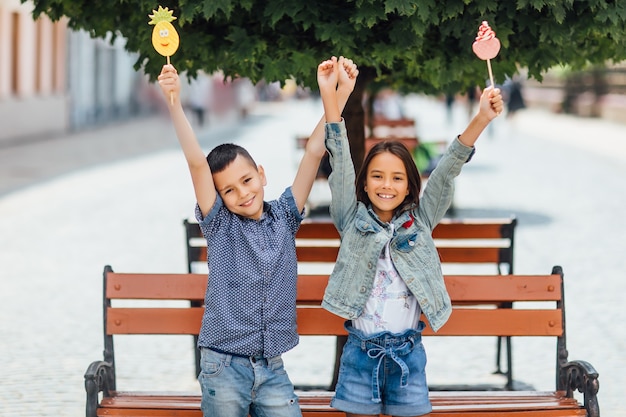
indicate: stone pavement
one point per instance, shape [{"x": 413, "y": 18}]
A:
[{"x": 118, "y": 195}]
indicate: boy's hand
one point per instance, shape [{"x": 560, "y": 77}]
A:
[
  {"x": 328, "y": 75},
  {"x": 347, "y": 74},
  {"x": 169, "y": 81},
  {"x": 491, "y": 103}
]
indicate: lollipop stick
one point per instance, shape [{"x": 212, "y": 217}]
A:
[
  {"x": 490, "y": 73},
  {"x": 172, "y": 93}
]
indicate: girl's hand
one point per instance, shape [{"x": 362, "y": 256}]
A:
[
  {"x": 328, "y": 74},
  {"x": 347, "y": 74},
  {"x": 491, "y": 102}
]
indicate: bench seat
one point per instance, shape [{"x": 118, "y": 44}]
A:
[{"x": 316, "y": 403}]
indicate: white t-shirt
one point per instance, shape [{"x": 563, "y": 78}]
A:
[{"x": 391, "y": 306}]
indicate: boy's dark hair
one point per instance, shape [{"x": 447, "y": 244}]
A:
[
  {"x": 413, "y": 175},
  {"x": 222, "y": 155}
]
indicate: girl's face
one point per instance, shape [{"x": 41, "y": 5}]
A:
[{"x": 386, "y": 184}]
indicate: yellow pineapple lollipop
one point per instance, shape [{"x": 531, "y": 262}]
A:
[{"x": 164, "y": 36}]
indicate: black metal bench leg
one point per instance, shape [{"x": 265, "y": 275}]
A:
[
  {"x": 196, "y": 350},
  {"x": 498, "y": 355},
  {"x": 509, "y": 361},
  {"x": 196, "y": 354},
  {"x": 339, "y": 344},
  {"x": 509, "y": 364}
]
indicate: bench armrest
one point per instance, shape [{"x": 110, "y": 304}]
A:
[
  {"x": 581, "y": 376},
  {"x": 99, "y": 377}
]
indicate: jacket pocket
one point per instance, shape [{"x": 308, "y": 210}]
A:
[{"x": 407, "y": 242}]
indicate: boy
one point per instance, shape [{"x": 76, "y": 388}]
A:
[{"x": 249, "y": 318}]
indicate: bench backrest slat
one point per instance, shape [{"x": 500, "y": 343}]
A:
[
  {"x": 486, "y": 289},
  {"x": 317, "y": 253},
  {"x": 447, "y": 254},
  {"x": 463, "y": 322},
  {"x": 317, "y": 230},
  {"x": 469, "y": 255},
  {"x": 474, "y": 228},
  {"x": 465, "y": 289},
  {"x": 147, "y": 320},
  {"x": 156, "y": 286},
  {"x": 316, "y": 321}
]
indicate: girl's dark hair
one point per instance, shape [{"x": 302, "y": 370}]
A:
[
  {"x": 222, "y": 155},
  {"x": 413, "y": 175}
]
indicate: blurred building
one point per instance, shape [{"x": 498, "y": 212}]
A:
[
  {"x": 597, "y": 91},
  {"x": 32, "y": 72},
  {"x": 54, "y": 80}
]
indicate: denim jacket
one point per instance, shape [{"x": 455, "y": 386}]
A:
[{"x": 363, "y": 235}]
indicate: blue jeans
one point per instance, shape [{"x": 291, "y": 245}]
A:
[
  {"x": 383, "y": 374},
  {"x": 235, "y": 386}
]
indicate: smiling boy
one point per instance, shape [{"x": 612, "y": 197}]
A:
[{"x": 249, "y": 318}]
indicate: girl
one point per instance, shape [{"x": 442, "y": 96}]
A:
[{"x": 388, "y": 271}]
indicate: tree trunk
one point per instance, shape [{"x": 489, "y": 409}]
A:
[{"x": 354, "y": 116}]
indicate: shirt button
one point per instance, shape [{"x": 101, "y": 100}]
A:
[
  {"x": 362, "y": 290},
  {"x": 369, "y": 265},
  {"x": 411, "y": 243}
]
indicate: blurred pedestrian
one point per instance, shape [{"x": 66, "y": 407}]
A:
[
  {"x": 472, "y": 93},
  {"x": 388, "y": 105},
  {"x": 449, "y": 105},
  {"x": 199, "y": 97},
  {"x": 514, "y": 97}
]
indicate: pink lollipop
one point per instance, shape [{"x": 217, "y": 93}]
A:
[{"x": 486, "y": 46}]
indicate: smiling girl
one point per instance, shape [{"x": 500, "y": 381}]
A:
[{"x": 388, "y": 271}]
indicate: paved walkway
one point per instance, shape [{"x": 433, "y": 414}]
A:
[{"x": 117, "y": 196}]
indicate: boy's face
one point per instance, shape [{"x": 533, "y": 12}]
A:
[{"x": 240, "y": 185}]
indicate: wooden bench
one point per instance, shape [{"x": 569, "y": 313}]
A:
[
  {"x": 409, "y": 142},
  {"x": 105, "y": 398},
  {"x": 488, "y": 241},
  {"x": 487, "y": 244},
  {"x": 391, "y": 128}
]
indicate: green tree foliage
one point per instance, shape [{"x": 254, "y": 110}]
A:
[
  {"x": 409, "y": 45},
  {"x": 418, "y": 45}
]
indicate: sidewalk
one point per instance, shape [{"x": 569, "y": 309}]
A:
[
  {"x": 118, "y": 196},
  {"x": 43, "y": 159}
]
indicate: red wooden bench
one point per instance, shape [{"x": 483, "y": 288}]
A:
[
  {"x": 485, "y": 243},
  {"x": 469, "y": 318},
  {"x": 391, "y": 128}
]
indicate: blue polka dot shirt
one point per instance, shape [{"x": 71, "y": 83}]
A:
[{"x": 250, "y": 300}]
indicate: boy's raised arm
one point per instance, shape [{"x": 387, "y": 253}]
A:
[
  {"x": 203, "y": 185},
  {"x": 336, "y": 79}
]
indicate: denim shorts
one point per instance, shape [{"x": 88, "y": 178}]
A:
[
  {"x": 237, "y": 386},
  {"x": 383, "y": 374}
]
